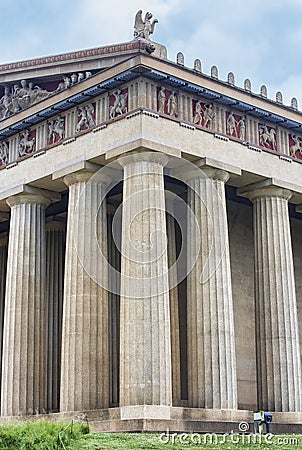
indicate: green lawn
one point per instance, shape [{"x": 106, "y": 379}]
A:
[
  {"x": 127, "y": 441},
  {"x": 53, "y": 436}
]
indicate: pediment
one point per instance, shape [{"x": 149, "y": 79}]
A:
[{"x": 26, "y": 83}]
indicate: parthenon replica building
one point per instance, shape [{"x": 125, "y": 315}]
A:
[{"x": 150, "y": 243}]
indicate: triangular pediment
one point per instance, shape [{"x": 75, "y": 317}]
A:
[{"x": 26, "y": 83}]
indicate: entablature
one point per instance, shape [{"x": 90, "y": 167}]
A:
[{"x": 161, "y": 89}]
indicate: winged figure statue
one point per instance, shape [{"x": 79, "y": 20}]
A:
[{"x": 143, "y": 28}]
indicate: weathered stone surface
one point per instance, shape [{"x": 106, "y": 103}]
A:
[
  {"x": 145, "y": 355},
  {"x": 24, "y": 334},
  {"x": 212, "y": 377},
  {"x": 277, "y": 337},
  {"x": 85, "y": 346}
]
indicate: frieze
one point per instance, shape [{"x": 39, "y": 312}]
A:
[
  {"x": 235, "y": 125},
  {"x": 229, "y": 123},
  {"x": 167, "y": 102},
  {"x": 56, "y": 130},
  {"x": 27, "y": 142},
  {"x": 118, "y": 103},
  {"x": 267, "y": 137},
  {"x": 204, "y": 114},
  {"x": 86, "y": 117},
  {"x": 4, "y": 153},
  {"x": 295, "y": 146}
]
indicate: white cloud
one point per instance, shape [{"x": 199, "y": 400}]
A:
[{"x": 256, "y": 39}]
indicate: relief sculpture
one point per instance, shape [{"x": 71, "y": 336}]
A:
[
  {"x": 3, "y": 153},
  {"x": 26, "y": 93},
  {"x": 27, "y": 143},
  {"x": 86, "y": 117},
  {"x": 56, "y": 130}
]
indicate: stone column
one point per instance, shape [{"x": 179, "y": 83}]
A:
[
  {"x": 145, "y": 344},
  {"x": 3, "y": 264},
  {"x": 212, "y": 379},
  {"x": 55, "y": 254},
  {"x": 85, "y": 342},
  {"x": 23, "y": 374},
  {"x": 174, "y": 314},
  {"x": 277, "y": 338}
]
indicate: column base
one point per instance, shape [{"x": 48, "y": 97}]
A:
[{"x": 189, "y": 420}]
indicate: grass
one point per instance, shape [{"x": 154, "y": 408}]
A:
[
  {"x": 128, "y": 441},
  {"x": 54, "y": 436},
  {"x": 41, "y": 436}
]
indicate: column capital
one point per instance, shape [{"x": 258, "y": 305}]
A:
[
  {"x": 82, "y": 176},
  {"x": 143, "y": 155},
  {"x": 266, "y": 188},
  {"x": 72, "y": 167},
  {"x": 21, "y": 199},
  {"x": 215, "y": 174},
  {"x": 29, "y": 192},
  {"x": 205, "y": 168},
  {"x": 209, "y": 164}
]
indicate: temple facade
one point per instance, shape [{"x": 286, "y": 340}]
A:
[{"x": 150, "y": 243}]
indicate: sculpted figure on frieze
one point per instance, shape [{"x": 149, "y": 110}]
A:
[
  {"x": 161, "y": 100},
  {"x": 209, "y": 115},
  {"x": 143, "y": 28},
  {"x": 242, "y": 128},
  {"x": 295, "y": 146},
  {"x": 119, "y": 106},
  {"x": 56, "y": 130},
  {"x": 235, "y": 125},
  {"x": 86, "y": 117},
  {"x": 3, "y": 153},
  {"x": 26, "y": 143},
  {"x": 231, "y": 125},
  {"x": 267, "y": 137},
  {"x": 172, "y": 105},
  {"x": 198, "y": 116}
]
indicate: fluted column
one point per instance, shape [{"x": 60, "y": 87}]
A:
[
  {"x": 3, "y": 264},
  {"x": 212, "y": 379},
  {"x": 145, "y": 353},
  {"x": 277, "y": 338},
  {"x": 174, "y": 314},
  {"x": 55, "y": 254},
  {"x": 85, "y": 346},
  {"x": 23, "y": 374}
]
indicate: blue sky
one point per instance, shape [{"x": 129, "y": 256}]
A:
[{"x": 256, "y": 39}]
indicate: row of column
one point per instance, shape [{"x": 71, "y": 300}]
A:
[{"x": 148, "y": 305}]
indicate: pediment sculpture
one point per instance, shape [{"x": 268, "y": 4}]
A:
[{"x": 25, "y": 93}]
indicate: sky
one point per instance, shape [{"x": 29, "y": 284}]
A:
[{"x": 256, "y": 39}]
